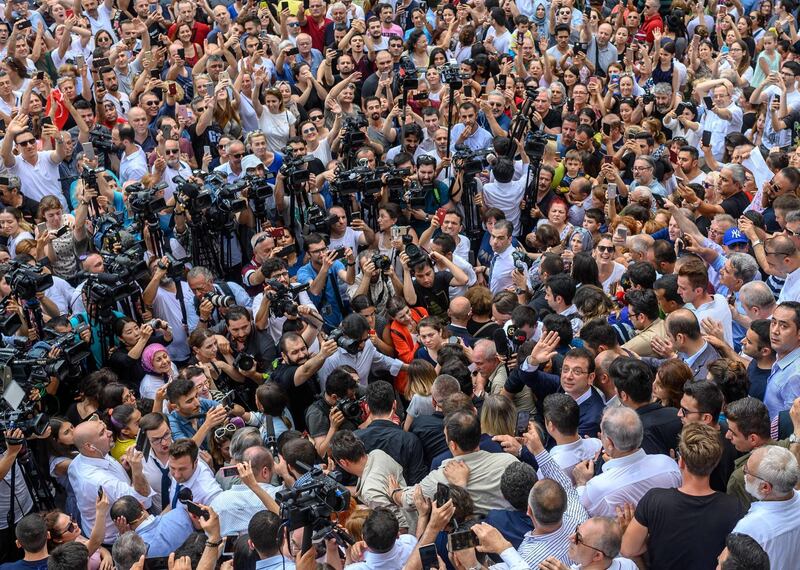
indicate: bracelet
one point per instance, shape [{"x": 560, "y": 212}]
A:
[
  {"x": 758, "y": 242},
  {"x": 216, "y": 544},
  {"x": 351, "y": 264}
]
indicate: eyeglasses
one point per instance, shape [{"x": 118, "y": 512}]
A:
[
  {"x": 685, "y": 411},
  {"x": 26, "y": 142},
  {"x": 152, "y": 103},
  {"x": 222, "y": 432},
  {"x": 575, "y": 371},
  {"x": 161, "y": 440},
  {"x": 579, "y": 540},
  {"x": 776, "y": 253},
  {"x": 175, "y": 151},
  {"x": 748, "y": 472},
  {"x": 238, "y": 155},
  {"x": 308, "y": 131},
  {"x": 316, "y": 117},
  {"x": 323, "y": 250},
  {"x": 605, "y": 248},
  {"x": 293, "y": 24},
  {"x": 792, "y": 233}
]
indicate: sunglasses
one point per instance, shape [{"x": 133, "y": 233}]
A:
[
  {"x": 605, "y": 248},
  {"x": 307, "y": 131},
  {"x": 316, "y": 117},
  {"x": 26, "y": 142},
  {"x": 222, "y": 432},
  {"x": 238, "y": 155},
  {"x": 176, "y": 151}
]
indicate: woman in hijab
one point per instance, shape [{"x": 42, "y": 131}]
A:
[{"x": 159, "y": 368}]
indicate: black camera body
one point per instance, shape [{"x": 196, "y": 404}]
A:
[
  {"x": 244, "y": 362},
  {"x": 350, "y": 345},
  {"x": 351, "y": 409},
  {"x": 381, "y": 262},
  {"x": 415, "y": 255},
  {"x": 312, "y": 503},
  {"x": 27, "y": 280}
]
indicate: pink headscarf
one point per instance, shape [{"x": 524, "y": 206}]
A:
[{"x": 148, "y": 354}]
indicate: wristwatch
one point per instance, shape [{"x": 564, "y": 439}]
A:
[{"x": 794, "y": 438}]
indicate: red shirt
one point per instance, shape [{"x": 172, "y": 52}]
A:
[
  {"x": 199, "y": 32},
  {"x": 650, "y": 24},
  {"x": 317, "y": 32}
]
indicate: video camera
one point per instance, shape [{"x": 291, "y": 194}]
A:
[
  {"x": 175, "y": 268},
  {"x": 294, "y": 169},
  {"x": 350, "y": 345},
  {"x": 318, "y": 222},
  {"x": 361, "y": 179},
  {"x": 472, "y": 162},
  {"x": 312, "y": 503},
  {"x": 353, "y": 136},
  {"x": 283, "y": 299},
  {"x": 27, "y": 280},
  {"x": 415, "y": 195},
  {"x": 89, "y": 177},
  {"x": 144, "y": 201},
  {"x": 26, "y": 418},
  {"x": 452, "y": 75},
  {"x": 101, "y": 140}
]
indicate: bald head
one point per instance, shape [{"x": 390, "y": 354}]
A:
[
  {"x": 460, "y": 309},
  {"x": 683, "y": 321},
  {"x": 261, "y": 461},
  {"x": 547, "y": 502},
  {"x": 92, "y": 439}
]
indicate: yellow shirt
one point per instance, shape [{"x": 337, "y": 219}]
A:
[{"x": 121, "y": 447}]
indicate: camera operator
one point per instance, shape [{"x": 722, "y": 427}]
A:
[
  {"x": 423, "y": 286},
  {"x": 93, "y": 263},
  {"x": 297, "y": 372},
  {"x": 328, "y": 278},
  {"x": 325, "y": 417},
  {"x": 445, "y": 245},
  {"x": 275, "y": 268},
  {"x": 20, "y": 495},
  {"x": 56, "y": 301},
  {"x": 436, "y": 194},
  {"x": 168, "y": 165},
  {"x": 314, "y": 165},
  {"x": 247, "y": 339},
  {"x": 204, "y": 287},
  {"x": 378, "y": 282},
  {"x": 160, "y": 295},
  {"x": 11, "y": 195},
  {"x": 439, "y": 153},
  {"x": 253, "y": 273},
  {"x": 357, "y": 234},
  {"x": 356, "y": 350}
]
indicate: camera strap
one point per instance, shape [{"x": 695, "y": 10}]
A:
[{"x": 334, "y": 280}]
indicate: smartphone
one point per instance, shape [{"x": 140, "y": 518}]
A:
[
  {"x": 355, "y": 216},
  {"x": 442, "y": 494},
  {"x": 88, "y": 150},
  {"x": 172, "y": 88},
  {"x": 80, "y": 61},
  {"x": 155, "y": 73},
  {"x": 166, "y": 131},
  {"x": 440, "y": 214},
  {"x": 230, "y": 471},
  {"x": 467, "y": 91},
  {"x": 152, "y": 8},
  {"x": 612, "y": 190},
  {"x": 24, "y": 24},
  {"x": 142, "y": 443},
  {"x": 395, "y": 232},
  {"x": 41, "y": 227},
  {"x": 284, "y": 6},
  {"x": 706, "y": 138},
  {"x": 708, "y": 102},
  {"x": 340, "y": 252},
  {"x": 223, "y": 76},
  {"x": 60, "y": 232},
  {"x": 680, "y": 247},
  {"x": 285, "y": 251},
  {"x": 384, "y": 75},
  {"x": 293, "y": 51},
  {"x": 100, "y": 85},
  {"x": 673, "y": 156},
  {"x": 608, "y": 159},
  {"x": 523, "y": 419},
  {"x": 2, "y": 126},
  {"x": 228, "y": 548},
  {"x": 419, "y": 97},
  {"x": 305, "y": 4},
  {"x": 100, "y": 492},
  {"x": 429, "y": 557},
  {"x": 47, "y": 120},
  {"x": 461, "y": 540},
  {"x": 622, "y": 231},
  {"x": 40, "y": 75},
  {"x": 777, "y": 98},
  {"x": 182, "y": 53},
  {"x": 196, "y": 510}
]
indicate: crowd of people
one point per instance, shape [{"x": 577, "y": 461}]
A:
[{"x": 400, "y": 285}]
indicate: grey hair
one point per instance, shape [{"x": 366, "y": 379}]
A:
[
  {"x": 725, "y": 218},
  {"x": 556, "y": 84},
  {"x": 366, "y": 255},
  {"x": 546, "y": 93},
  {"x": 624, "y": 427},
  {"x": 745, "y": 267},
  {"x": 791, "y": 216},
  {"x": 662, "y": 89},
  {"x": 640, "y": 243},
  {"x": 444, "y": 386},
  {"x": 127, "y": 550},
  {"x": 779, "y": 467},
  {"x": 738, "y": 173},
  {"x": 244, "y": 439},
  {"x": 496, "y": 92},
  {"x": 200, "y": 271},
  {"x": 756, "y": 294},
  {"x": 487, "y": 347},
  {"x": 648, "y": 159},
  {"x": 610, "y": 540}
]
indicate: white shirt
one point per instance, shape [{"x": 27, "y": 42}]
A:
[
  {"x": 203, "y": 484},
  {"x": 60, "y": 293},
  {"x": 626, "y": 480},
  {"x": 237, "y": 506},
  {"x": 775, "y": 525},
  {"x": 87, "y": 474},
  {"x": 395, "y": 559},
  {"x": 151, "y": 383},
  {"x": 41, "y": 179},
  {"x": 275, "y": 324},
  {"x": 169, "y": 173},
  {"x": 132, "y": 167},
  {"x": 369, "y": 358},
  {"x": 167, "y": 306},
  {"x": 791, "y": 287},
  {"x": 720, "y": 127},
  {"x": 464, "y": 266},
  {"x": 569, "y": 455},
  {"x": 152, "y": 473},
  {"x": 502, "y": 266},
  {"x": 351, "y": 238},
  {"x": 506, "y": 196},
  {"x": 718, "y": 310},
  {"x": 616, "y": 273}
]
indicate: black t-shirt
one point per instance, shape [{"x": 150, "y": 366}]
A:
[
  {"x": 552, "y": 119},
  {"x": 685, "y": 531},
  {"x": 792, "y": 121},
  {"x": 436, "y": 298},
  {"x": 735, "y": 205},
  {"x": 210, "y": 138},
  {"x": 300, "y": 397}
]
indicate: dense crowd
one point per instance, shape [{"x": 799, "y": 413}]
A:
[{"x": 403, "y": 285}]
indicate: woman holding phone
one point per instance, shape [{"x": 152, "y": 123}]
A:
[
  {"x": 57, "y": 237},
  {"x": 14, "y": 228}
]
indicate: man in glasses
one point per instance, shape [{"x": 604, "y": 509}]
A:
[
  {"x": 37, "y": 171},
  {"x": 169, "y": 165},
  {"x": 156, "y": 467},
  {"x": 783, "y": 258},
  {"x": 233, "y": 168}
]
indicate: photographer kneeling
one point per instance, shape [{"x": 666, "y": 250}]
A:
[{"x": 336, "y": 409}]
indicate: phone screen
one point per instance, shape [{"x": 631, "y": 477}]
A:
[
  {"x": 706, "y": 138},
  {"x": 708, "y": 101},
  {"x": 428, "y": 556},
  {"x": 230, "y": 471},
  {"x": 355, "y": 216},
  {"x": 462, "y": 539},
  {"x": 88, "y": 150},
  {"x": 523, "y": 419},
  {"x": 612, "y": 190},
  {"x": 467, "y": 90}
]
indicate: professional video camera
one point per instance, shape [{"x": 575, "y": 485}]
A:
[
  {"x": 535, "y": 143},
  {"x": 415, "y": 255},
  {"x": 10, "y": 322},
  {"x": 27, "y": 280},
  {"x": 192, "y": 195},
  {"x": 395, "y": 182},
  {"x": 351, "y": 408},
  {"x": 27, "y": 418},
  {"x": 318, "y": 222},
  {"x": 294, "y": 169},
  {"x": 472, "y": 162},
  {"x": 144, "y": 201},
  {"x": 361, "y": 179},
  {"x": 110, "y": 232},
  {"x": 175, "y": 267},
  {"x": 283, "y": 299},
  {"x": 100, "y": 140},
  {"x": 415, "y": 195},
  {"x": 353, "y": 135},
  {"x": 312, "y": 503},
  {"x": 408, "y": 72},
  {"x": 89, "y": 177},
  {"x": 343, "y": 341},
  {"x": 452, "y": 75}
]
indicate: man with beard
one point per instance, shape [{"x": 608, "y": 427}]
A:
[
  {"x": 297, "y": 373},
  {"x": 600, "y": 52},
  {"x": 375, "y": 122},
  {"x": 379, "y": 284},
  {"x": 249, "y": 339},
  {"x": 467, "y": 131},
  {"x": 544, "y": 115},
  {"x": 439, "y": 152},
  {"x": 169, "y": 165}
]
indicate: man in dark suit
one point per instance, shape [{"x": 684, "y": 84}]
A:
[
  {"x": 687, "y": 343},
  {"x": 577, "y": 375},
  {"x": 634, "y": 382},
  {"x": 430, "y": 428}
]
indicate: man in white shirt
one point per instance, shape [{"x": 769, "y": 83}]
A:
[
  {"x": 190, "y": 473},
  {"x": 354, "y": 236},
  {"x": 722, "y": 118},
  {"x": 99, "y": 15},
  {"x": 37, "y": 171},
  {"x": 771, "y": 475},
  {"x": 502, "y": 265},
  {"x": 169, "y": 165},
  {"x": 133, "y": 164},
  {"x": 444, "y": 244},
  {"x": 693, "y": 289},
  {"x": 629, "y": 473},
  {"x": 506, "y": 193},
  {"x": 451, "y": 224},
  {"x": 236, "y": 506},
  {"x": 561, "y": 420},
  {"x": 94, "y": 469},
  {"x": 386, "y": 550},
  {"x": 784, "y": 258}
]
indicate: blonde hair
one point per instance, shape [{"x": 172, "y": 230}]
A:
[
  {"x": 498, "y": 415},
  {"x": 421, "y": 375}
]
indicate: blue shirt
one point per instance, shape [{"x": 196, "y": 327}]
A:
[
  {"x": 328, "y": 302},
  {"x": 513, "y": 525},
  {"x": 23, "y": 564},
  {"x": 165, "y": 533},
  {"x": 276, "y": 562},
  {"x": 783, "y": 385},
  {"x": 181, "y": 427},
  {"x": 96, "y": 347},
  {"x": 480, "y": 139}
]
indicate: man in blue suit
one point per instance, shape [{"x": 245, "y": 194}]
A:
[{"x": 577, "y": 375}]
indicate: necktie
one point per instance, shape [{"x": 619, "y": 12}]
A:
[
  {"x": 178, "y": 488},
  {"x": 166, "y": 482},
  {"x": 491, "y": 267}
]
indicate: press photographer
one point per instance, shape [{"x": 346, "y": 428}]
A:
[
  {"x": 253, "y": 274},
  {"x": 253, "y": 349},
  {"x": 212, "y": 297},
  {"x": 337, "y": 408},
  {"x": 328, "y": 278},
  {"x": 424, "y": 194},
  {"x": 357, "y": 234},
  {"x": 377, "y": 280},
  {"x": 423, "y": 286}
]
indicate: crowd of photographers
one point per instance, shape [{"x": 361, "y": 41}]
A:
[{"x": 399, "y": 285}]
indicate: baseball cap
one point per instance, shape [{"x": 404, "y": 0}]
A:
[{"x": 733, "y": 236}]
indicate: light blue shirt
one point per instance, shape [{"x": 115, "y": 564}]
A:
[
  {"x": 689, "y": 360},
  {"x": 783, "y": 385},
  {"x": 480, "y": 139},
  {"x": 165, "y": 533},
  {"x": 276, "y": 562}
]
